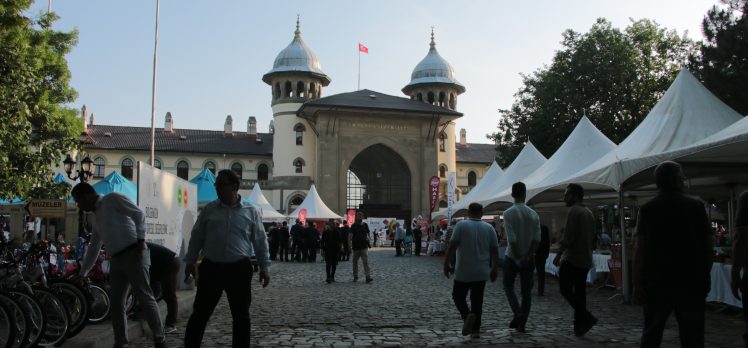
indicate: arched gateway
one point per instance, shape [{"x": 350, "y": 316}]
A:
[{"x": 378, "y": 183}]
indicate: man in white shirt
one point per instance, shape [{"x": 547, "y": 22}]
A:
[
  {"x": 522, "y": 226},
  {"x": 120, "y": 225}
]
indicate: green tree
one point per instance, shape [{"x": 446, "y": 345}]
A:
[
  {"x": 722, "y": 61},
  {"x": 612, "y": 76},
  {"x": 35, "y": 126}
]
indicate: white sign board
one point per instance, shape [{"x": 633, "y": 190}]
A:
[{"x": 170, "y": 206}]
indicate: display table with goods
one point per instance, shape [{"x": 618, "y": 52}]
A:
[
  {"x": 599, "y": 260},
  {"x": 720, "y": 290}
]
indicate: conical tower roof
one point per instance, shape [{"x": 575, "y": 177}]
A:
[
  {"x": 433, "y": 69},
  {"x": 297, "y": 57}
]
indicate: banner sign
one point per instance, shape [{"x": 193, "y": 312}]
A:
[
  {"x": 434, "y": 192},
  {"x": 302, "y": 216},
  {"x": 351, "y": 217},
  {"x": 170, "y": 206},
  {"x": 47, "y": 208},
  {"x": 451, "y": 188}
]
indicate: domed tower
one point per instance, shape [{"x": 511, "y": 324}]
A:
[
  {"x": 296, "y": 77},
  {"x": 433, "y": 81}
]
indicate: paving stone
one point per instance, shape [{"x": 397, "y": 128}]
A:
[{"x": 410, "y": 304}]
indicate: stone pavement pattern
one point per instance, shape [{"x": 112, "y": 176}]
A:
[{"x": 409, "y": 304}]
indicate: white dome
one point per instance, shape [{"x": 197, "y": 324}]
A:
[
  {"x": 296, "y": 57},
  {"x": 433, "y": 69}
]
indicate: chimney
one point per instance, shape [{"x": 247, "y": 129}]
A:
[
  {"x": 84, "y": 116},
  {"x": 463, "y": 136},
  {"x": 271, "y": 129},
  {"x": 169, "y": 123},
  {"x": 92, "y": 121},
  {"x": 227, "y": 127},
  {"x": 252, "y": 127}
]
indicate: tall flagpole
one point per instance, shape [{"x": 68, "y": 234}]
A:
[
  {"x": 358, "y": 87},
  {"x": 153, "y": 93}
]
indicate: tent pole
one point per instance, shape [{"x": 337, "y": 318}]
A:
[
  {"x": 624, "y": 254},
  {"x": 731, "y": 210}
]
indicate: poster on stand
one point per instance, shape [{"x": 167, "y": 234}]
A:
[{"x": 170, "y": 206}]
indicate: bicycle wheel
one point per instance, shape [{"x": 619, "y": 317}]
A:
[
  {"x": 37, "y": 318},
  {"x": 57, "y": 317},
  {"x": 100, "y": 305},
  {"x": 7, "y": 327},
  {"x": 76, "y": 302},
  {"x": 20, "y": 317}
]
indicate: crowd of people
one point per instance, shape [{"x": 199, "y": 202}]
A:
[{"x": 672, "y": 263}]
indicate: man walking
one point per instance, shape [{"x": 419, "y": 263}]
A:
[
  {"x": 297, "y": 236},
  {"x": 673, "y": 260},
  {"x": 477, "y": 250},
  {"x": 225, "y": 233},
  {"x": 417, "y": 235},
  {"x": 274, "y": 240},
  {"x": 120, "y": 225},
  {"x": 522, "y": 226},
  {"x": 399, "y": 237},
  {"x": 359, "y": 243},
  {"x": 575, "y": 257},
  {"x": 345, "y": 231}
]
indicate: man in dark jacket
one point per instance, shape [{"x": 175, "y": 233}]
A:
[
  {"x": 311, "y": 241},
  {"x": 344, "y": 232},
  {"x": 163, "y": 279},
  {"x": 359, "y": 242},
  {"x": 274, "y": 239},
  {"x": 283, "y": 242},
  {"x": 297, "y": 236},
  {"x": 673, "y": 259}
]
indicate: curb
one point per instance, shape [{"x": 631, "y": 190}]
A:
[{"x": 101, "y": 335}]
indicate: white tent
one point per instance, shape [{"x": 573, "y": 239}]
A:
[
  {"x": 584, "y": 145},
  {"x": 685, "y": 115},
  {"x": 476, "y": 194},
  {"x": 315, "y": 207},
  {"x": 267, "y": 211},
  {"x": 527, "y": 161}
]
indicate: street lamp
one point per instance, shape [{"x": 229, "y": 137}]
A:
[{"x": 86, "y": 171}]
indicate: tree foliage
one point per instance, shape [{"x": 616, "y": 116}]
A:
[
  {"x": 35, "y": 126},
  {"x": 722, "y": 61},
  {"x": 612, "y": 76}
]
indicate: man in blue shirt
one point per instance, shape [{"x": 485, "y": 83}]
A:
[
  {"x": 225, "y": 232},
  {"x": 477, "y": 250}
]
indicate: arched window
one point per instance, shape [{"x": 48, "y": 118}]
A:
[
  {"x": 277, "y": 91},
  {"x": 262, "y": 172},
  {"x": 288, "y": 89},
  {"x": 419, "y": 97},
  {"x": 442, "y": 141},
  {"x": 312, "y": 91},
  {"x": 183, "y": 170},
  {"x": 100, "y": 170},
  {"x": 157, "y": 163},
  {"x": 300, "y": 90},
  {"x": 299, "y": 129},
  {"x": 431, "y": 98},
  {"x": 442, "y": 99},
  {"x": 295, "y": 202},
  {"x": 127, "y": 168},
  {"x": 210, "y": 165},
  {"x": 472, "y": 179},
  {"x": 299, "y": 165},
  {"x": 452, "y": 101},
  {"x": 442, "y": 171},
  {"x": 237, "y": 168}
]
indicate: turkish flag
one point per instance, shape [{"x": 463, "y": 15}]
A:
[{"x": 362, "y": 48}]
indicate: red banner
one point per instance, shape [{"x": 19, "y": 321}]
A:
[
  {"x": 434, "y": 192},
  {"x": 351, "y": 217},
  {"x": 302, "y": 216}
]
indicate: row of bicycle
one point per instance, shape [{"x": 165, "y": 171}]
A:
[{"x": 43, "y": 308}]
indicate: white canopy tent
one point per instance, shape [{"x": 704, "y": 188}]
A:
[
  {"x": 527, "y": 161},
  {"x": 268, "y": 213},
  {"x": 477, "y": 193},
  {"x": 315, "y": 208},
  {"x": 585, "y": 145}
]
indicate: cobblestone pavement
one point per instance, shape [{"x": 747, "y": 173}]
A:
[{"x": 409, "y": 304}]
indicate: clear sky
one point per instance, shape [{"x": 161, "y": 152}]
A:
[{"x": 212, "y": 54}]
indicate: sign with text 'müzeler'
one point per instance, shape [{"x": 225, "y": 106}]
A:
[{"x": 47, "y": 208}]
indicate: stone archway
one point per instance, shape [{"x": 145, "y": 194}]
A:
[{"x": 378, "y": 178}]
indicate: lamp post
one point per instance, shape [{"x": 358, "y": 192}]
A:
[{"x": 87, "y": 170}]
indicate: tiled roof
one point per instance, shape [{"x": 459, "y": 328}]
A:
[
  {"x": 476, "y": 153},
  {"x": 181, "y": 140},
  {"x": 368, "y": 99}
]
